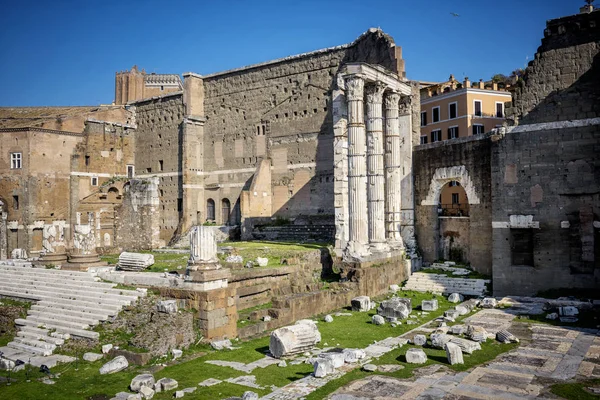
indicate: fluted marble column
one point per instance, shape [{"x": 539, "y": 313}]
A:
[
  {"x": 357, "y": 178},
  {"x": 393, "y": 171},
  {"x": 203, "y": 247},
  {"x": 375, "y": 170}
]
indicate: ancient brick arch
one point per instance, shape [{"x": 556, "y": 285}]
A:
[{"x": 444, "y": 175}]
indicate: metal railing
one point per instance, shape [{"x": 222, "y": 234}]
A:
[{"x": 453, "y": 210}]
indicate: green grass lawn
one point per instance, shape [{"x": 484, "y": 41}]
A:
[
  {"x": 162, "y": 261},
  {"x": 576, "y": 390},
  {"x": 275, "y": 252}
]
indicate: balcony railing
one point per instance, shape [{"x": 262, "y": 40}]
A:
[
  {"x": 453, "y": 210},
  {"x": 486, "y": 115}
]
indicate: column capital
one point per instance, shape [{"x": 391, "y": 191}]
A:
[
  {"x": 405, "y": 104},
  {"x": 375, "y": 93},
  {"x": 355, "y": 86},
  {"x": 391, "y": 100}
]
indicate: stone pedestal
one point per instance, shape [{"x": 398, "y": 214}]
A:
[{"x": 83, "y": 255}]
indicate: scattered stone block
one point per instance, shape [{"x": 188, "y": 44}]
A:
[
  {"x": 429, "y": 305},
  {"x": 267, "y": 318},
  {"x": 135, "y": 261},
  {"x": 221, "y": 344},
  {"x": 167, "y": 306},
  {"x": 91, "y": 357},
  {"x": 390, "y": 367},
  {"x": 6, "y": 364},
  {"x": 147, "y": 392},
  {"x": 438, "y": 340},
  {"x": 453, "y": 314},
  {"x": 165, "y": 384},
  {"x": 462, "y": 310},
  {"x": 189, "y": 390},
  {"x": 568, "y": 311},
  {"x": 209, "y": 382},
  {"x": 454, "y": 353},
  {"x": 393, "y": 308},
  {"x": 106, "y": 348},
  {"x": 361, "y": 303},
  {"x": 568, "y": 319},
  {"x": 377, "y": 320},
  {"x": 369, "y": 367},
  {"x": 504, "y": 336},
  {"x": 249, "y": 264},
  {"x": 457, "y": 329},
  {"x": 455, "y": 298},
  {"x": 127, "y": 396},
  {"x": 328, "y": 318},
  {"x": 282, "y": 364},
  {"x": 248, "y": 395},
  {"x": 115, "y": 365},
  {"x": 176, "y": 353},
  {"x": 336, "y": 358},
  {"x": 323, "y": 367},
  {"x": 416, "y": 356},
  {"x": 477, "y": 333},
  {"x": 467, "y": 346},
  {"x": 179, "y": 394},
  {"x": 353, "y": 355},
  {"x": 143, "y": 380},
  {"x": 262, "y": 261},
  {"x": 489, "y": 302},
  {"x": 419, "y": 340},
  {"x": 294, "y": 339},
  {"x": 552, "y": 316},
  {"x": 394, "y": 288}
]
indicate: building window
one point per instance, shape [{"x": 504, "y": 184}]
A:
[
  {"x": 436, "y": 114},
  {"x": 477, "y": 108},
  {"x": 160, "y": 165},
  {"x": 16, "y": 160},
  {"x": 87, "y": 161},
  {"x": 521, "y": 245},
  {"x": 477, "y": 129},
  {"x": 452, "y": 110},
  {"x": 130, "y": 171},
  {"x": 225, "y": 211},
  {"x": 455, "y": 198},
  {"x": 453, "y": 132},
  {"x": 499, "y": 110},
  {"x": 454, "y": 183},
  {"x": 424, "y": 118},
  {"x": 16, "y": 202},
  {"x": 436, "y": 135},
  {"x": 210, "y": 210},
  {"x": 94, "y": 181},
  {"x": 162, "y": 88},
  {"x": 424, "y": 139}
]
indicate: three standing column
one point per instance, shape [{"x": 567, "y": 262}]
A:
[
  {"x": 393, "y": 172},
  {"x": 357, "y": 176},
  {"x": 375, "y": 169}
]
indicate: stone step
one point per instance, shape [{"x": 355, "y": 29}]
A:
[
  {"x": 89, "y": 288},
  {"x": 35, "y": 343},
  {"x": 34, "y": 330},
  {"x": 75, "y": 312},
  {"x": 28, "y": 291},
  {"x": 57, "y": 281},
  {"x": 59, "y": 328},
  {"x": 32, "y": 350},
  {"x": 45, "y": 320},
  {"x": 32, "y": 335},
  {"x": 57, "y": 315},
  {"x": 15, "y": 354},
  {"x": 67, "y": 275},
  {"x": 93, "y": 308}
]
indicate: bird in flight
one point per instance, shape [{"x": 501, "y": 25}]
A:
[{"x": 454, "y": 14}]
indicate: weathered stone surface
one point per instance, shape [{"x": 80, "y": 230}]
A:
[
  {"x": 489, "y": 302},
  {"x": 234, "y": 259},
  {"x": 457, "y": 329},
  {"x": 294, "y": 339},
  {"x": 127, "y": 396},
  {"x": 369, "y": 367},
  {"x": 394, "y": 288},
  {"x": 262, "y": 261},
  {"x": 209, "y": 382},
  {"x": 282, "y": 364},
  {"x": 92, "y": 357},
  {"x": 477, "y": 333},
  {"x": 568, "y": 311},
  {"x": 165, "y": 384},
  {"x": 462, "y": 310},
  {"x": 135, "y": 261},
  {"x": 552, "y": 316},
  {"x": 328, "y": 318},
  {"x": 323, "y": 367},
  {"x": 353, "y": 355},
  {"x": 393, "y": 308},
  {"x": 179, "y": 394},
  {"x": 106, "y": 348},
  {"x": 467, "y": 346},
  {"x": 167, "y": 306},
  {"x": 429, "y": 305},
  {"x": 142, "y": 380},
  {"x": 419, "y": 340},
  {"x": 453, "y": 353},
  {"x": 504, "y": 336},
  {"x": 453, "y": 314},
  {"x": 147, "y": 392},
  {"x": 378, "y": 320},
  {"x": 221, "y": 344},
  {"x": 455, "y": 298},
  {"x": 176, "y": 353},
  {"x": 416, "y": 356},
  {"x": 438, "y": 340},
  {"x": 248, "y": 395},
  {"x": 361, "y": 303},
  {"x": 115, "y": 365},
  {"x": 336, "y": 358}
]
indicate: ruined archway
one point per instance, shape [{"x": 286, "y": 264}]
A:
[{"x": 445, "y": 175}]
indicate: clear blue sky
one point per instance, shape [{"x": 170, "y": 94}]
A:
[{"x": 59, "y": 52}]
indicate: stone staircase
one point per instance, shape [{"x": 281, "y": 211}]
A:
[
  {"x": 67, "y": 304},
  {"x": 438, "y": 283}
]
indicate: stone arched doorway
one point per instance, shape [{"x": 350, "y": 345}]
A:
[
  {"x": 225, "y": 211},
  {"x": 453, "y": 223}
]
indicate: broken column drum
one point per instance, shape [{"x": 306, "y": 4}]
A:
[
  {"x": 294, "y": 339},
  {"x": 357, "y": 174},
  {"x": 203, "y": 248},
  {"x": 375, "y": 170}
]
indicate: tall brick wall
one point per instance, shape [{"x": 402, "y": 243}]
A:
[
  {"x": 474, "y": 154},
  {"x": 562, "y": 82}
]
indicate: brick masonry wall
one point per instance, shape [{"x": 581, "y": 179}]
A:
[
  {"x": 474, "y": 154},
  {"x": 562, "y": 82},
  {"x": 553, "y": 175}
]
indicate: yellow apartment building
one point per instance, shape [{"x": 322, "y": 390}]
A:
[{"x": 455, "y": 109}]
